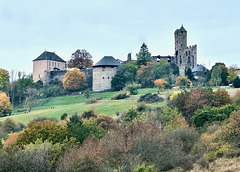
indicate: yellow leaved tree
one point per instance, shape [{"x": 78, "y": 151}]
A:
[
  {"x": 5, "y": 106},
  {"x": 74, "y": 80}
]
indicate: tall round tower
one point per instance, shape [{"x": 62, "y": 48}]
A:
[{"x": 180, "y": 36}]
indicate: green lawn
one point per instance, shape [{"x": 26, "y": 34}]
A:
[{"x": 76, "y": 104}]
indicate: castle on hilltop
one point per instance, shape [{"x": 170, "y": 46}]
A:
[{"x": 49, "y": 66}]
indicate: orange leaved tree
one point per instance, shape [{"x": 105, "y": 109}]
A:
[
  {"x": 160, "y": 83},
  {"x": 74, "y": 80}
]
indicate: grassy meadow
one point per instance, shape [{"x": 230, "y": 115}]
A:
[{"x": 76, "y": 104}]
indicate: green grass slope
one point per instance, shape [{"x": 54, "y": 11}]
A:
[{"x": 76, "y": 104}]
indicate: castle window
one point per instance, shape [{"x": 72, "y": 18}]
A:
[
  {"x": 186, "y": 53},
  {"x": 49, "y": 68},
  {"x": 58, "y": 64},
  {"x": 189, "y": 53},
  {"x": 52, "y": 63},
  {"x": 102, "y": 77},
  {"x": 189, "y": 61},
  {"x": 181, "y": 45},
  {"x": 108, "y": 77},
  {"x": 180, "y": 60},
  {"x": 49, "y": 63},
  {"x": 55, "y": 64}
]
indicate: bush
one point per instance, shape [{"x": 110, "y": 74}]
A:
[
  {"x": 130, "y": 115},
  {"x": 132, "y": 88},
  {"x": 150, "y": 98},
  {"x": 208, "y": 114},
  {"x": 236, "y": 98},
  {"x": 91, "y": 113},
  {"x": 64, "y": 116},
  {"x": 232, "y": 130},
  {"x": 168, "y": 115},
  {"x": 121, "y": 95},
  {"x": 93, "y": 101},
  {"x": 141, "y": 107}
]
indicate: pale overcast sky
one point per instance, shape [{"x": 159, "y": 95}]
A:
[{"x": 116, "y": 27}]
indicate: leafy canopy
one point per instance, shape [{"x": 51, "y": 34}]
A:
[
  {"x": 74, "y": 80},
  {"x": 80, "y": 59}
]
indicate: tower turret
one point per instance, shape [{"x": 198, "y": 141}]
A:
[{"x": 180, "y": 36}]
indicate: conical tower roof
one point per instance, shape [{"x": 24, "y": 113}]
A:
[{"x": 107, "y": 61}]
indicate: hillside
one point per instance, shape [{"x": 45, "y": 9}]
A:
[{"x": 76, "y": 104}]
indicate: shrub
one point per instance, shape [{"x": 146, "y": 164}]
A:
[
  {"x": 231, "y": 131},
  {"x": 221, "y": 97},
  {"x": 64, "y": 116},
  {"x": 93, "y": 101},
  {"x": 150, "y": 98},
  {"x": 174, "y": 94},
  {"x": 132, "y": 88},
  {"x": 121, "y": 95},
  {"x": 91, "y": 113},
  {"x": 141, "y": 107},
  {"x": 106, "y": 122},
  {"x": 208, "y": 114},
  {"x": 130, "y": 115},
  {"x": 168, "y": 115}
]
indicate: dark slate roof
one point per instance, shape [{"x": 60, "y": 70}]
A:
[
  {"x": 182, "y": 29},
  {"x": 107, "y": 61},
  {"x": 198, "y": 68},
  {"x": 49, "y": 56}
]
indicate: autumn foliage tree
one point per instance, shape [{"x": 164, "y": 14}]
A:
[
  {"x": 145, "y": 75},
  {"x": 160, "y": 83},
  {"x": 74, "y": 80},
  {"x": 5, "y": 106},
  {"x": 80, "y": 59},
  {"x": 183, "y": 82}
]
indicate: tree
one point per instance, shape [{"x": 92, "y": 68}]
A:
[
  {"x": 145, "y": 75},
  {"x": 5, "y": 106},
  {"x": 118, "y": 82},
  {"x": 219, "y": 74},
  {"x": 236, "y": 82},
  {"x": 80, "y": 59},
  {"x": 232, "y": 73},
  {"x": 23, "y": 83},
  {"x": 160, "y": 83},
  {"x": 45, "y": 130},
  {"x": 4, "y": 80},
  {"x": 74, "y": 80},
  {"x": 162, "y": 69},
  {"x": 183, "y": 82},
  {"x": 144, "y": 55},
  {"x": 216, "y": 76},
  {"x": 189, "y": 74}
]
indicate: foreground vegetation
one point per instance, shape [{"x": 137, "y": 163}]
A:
[{"x": 194, "y": 129}]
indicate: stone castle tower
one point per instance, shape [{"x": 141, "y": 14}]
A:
[{"x": 185, "y": 56}]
